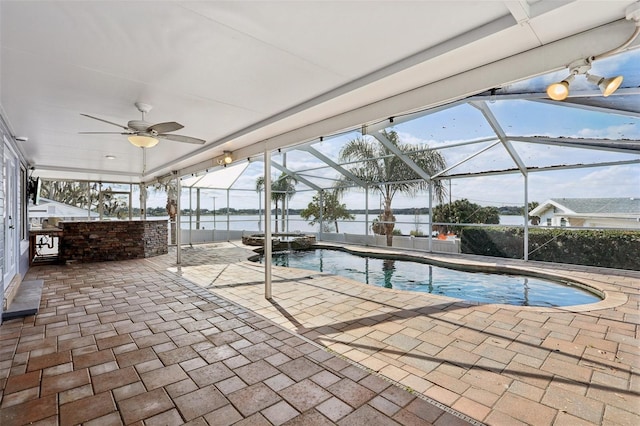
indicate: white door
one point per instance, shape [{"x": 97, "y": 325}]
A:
[{"x": 11, "y": 222}]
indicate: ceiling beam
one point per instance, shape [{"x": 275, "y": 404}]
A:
[
  {"x": 519, "y": 9},
  {"x": 105, "y": 173},
  {"x": 394, "y": 120}
]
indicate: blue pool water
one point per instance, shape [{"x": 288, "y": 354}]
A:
[{"x": 422, "y": 277}]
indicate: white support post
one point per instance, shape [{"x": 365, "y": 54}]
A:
[
  {"x": 198, "y": 209},
  {"x": 130, "y": 201},
  {"x": 143, "y": 201},
  {"x": 89, "y": 201},
  {"x": 228, "y": 223},
  {"x": 100, "y": 200},
  {"x": 259, "y": 211},
  {"x": 430, "y": 216},
  {"x": 320, "y": 213},
  {"x": 178, "y": 220},
  {"x": 366, "y": 212},
  {"x": 267, "y": 225},
  {"x": 191, "y": 216},
  {"x": 526, "y": 217}
]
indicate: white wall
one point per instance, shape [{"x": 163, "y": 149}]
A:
[{"x": 556, "y": 220}]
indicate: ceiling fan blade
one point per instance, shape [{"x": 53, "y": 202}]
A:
[
  {"x": 180, "y": 138},
  {"x": 105, "y": 121},
  {"x": 104, "y": 133},
  {"x": 169, "y": 126}
]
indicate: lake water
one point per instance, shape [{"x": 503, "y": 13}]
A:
[{"x": 406, "y": 223}]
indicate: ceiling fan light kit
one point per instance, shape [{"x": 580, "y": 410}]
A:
[
  {"x": 142, "y": 141},
  {"x": 146, "y": 135},
  {"x": 227, "y": 157}
]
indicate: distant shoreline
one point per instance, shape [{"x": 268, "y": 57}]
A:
[{"x": 153, "y": 212}]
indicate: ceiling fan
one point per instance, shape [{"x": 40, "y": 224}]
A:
[{"x": 146, "y": 135}]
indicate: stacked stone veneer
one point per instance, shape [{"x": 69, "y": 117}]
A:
[{"x": 117, "y": 240}]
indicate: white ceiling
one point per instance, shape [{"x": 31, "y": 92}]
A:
[{"x": 253, "y": 75}]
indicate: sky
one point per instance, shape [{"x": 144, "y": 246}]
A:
[{"x": 464, "y": 123}]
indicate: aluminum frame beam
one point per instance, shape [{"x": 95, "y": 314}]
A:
[
  {"x": 502, "y": 136},
  {"x": 464, "y": 160},
  {"x": 568, "y": 104},
  {"x": 401, "y": 155},
  {"x": 295, "y": 176},
  {"x": 328, "y": 161},
  {"x": 540, "y": 169},
  {"x": 576, "y": 143},
  {"x": 623, "y": 91}
]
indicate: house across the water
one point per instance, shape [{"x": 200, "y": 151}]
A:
[
  {"x": 46, "y": 212},
  {"x": 589, "y": 212}
]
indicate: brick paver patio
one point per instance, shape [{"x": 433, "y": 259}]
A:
[
  {"x": 133, "y": 343},
  {"x": 497, "y": 364},
  {"x": 149, "y": 342}
]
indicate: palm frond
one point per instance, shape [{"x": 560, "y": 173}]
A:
[{"x": 388, "y": 173}]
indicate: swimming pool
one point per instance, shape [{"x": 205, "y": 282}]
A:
[{"x": 423, "y": 277}]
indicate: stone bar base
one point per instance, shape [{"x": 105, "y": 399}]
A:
[{"x": 94, "y": 241}]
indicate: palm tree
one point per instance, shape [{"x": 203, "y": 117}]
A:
[
  {"x": 171, "y": 188},
  {"x": 388, "y": 174},
  {"x": 283, "y": 188},
  {"x": 79, "y": 194}
]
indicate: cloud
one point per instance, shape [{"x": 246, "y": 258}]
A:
[{"x": 622, "y": 131}]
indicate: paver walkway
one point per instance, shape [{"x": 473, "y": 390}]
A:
[
  {"x": 137, "y": 343},
  {"x": 497, "y": 364}
]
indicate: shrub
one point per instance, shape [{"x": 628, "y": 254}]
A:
[{"x": 605, "y": 248}]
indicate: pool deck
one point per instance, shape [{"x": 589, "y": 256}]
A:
[{"x": 150, "y": 342}]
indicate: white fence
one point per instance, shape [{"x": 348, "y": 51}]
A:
[
  {"x": 198, "y": 236},
  {"x": 399, "y": 241}
]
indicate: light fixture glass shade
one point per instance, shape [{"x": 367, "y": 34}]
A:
[
  {"x": 142, "y": 141},
  {"x": 558, "y": 91},
  {"x": 609, "y": 85},
  {"x": 228, "y": 159}
]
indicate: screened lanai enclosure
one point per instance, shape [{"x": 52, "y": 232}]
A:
[
  {"x": 426, "y": 179},
  {"x": 426, "y": 176}
]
